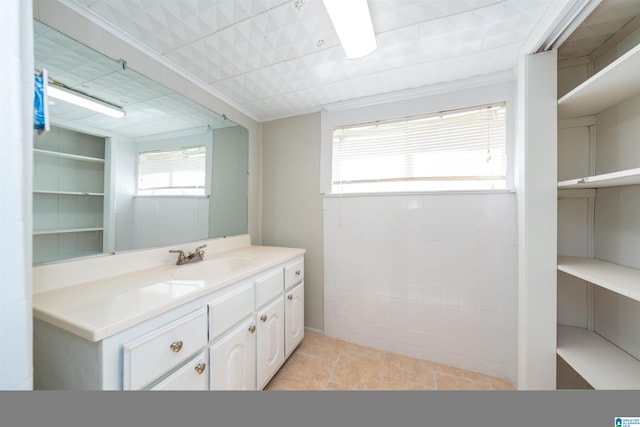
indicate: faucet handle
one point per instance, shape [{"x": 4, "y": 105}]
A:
[
  {"x": 199, "y": 252},
  {"x": 181, "y": 256}
]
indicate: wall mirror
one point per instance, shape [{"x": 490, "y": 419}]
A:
[{"x": 89, "y": 172}]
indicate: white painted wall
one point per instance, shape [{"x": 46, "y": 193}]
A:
[
  {"x": 16, "y": 144},
  {"x": 431, "y": 276},
  {"x": 536, "y": 184},
  {"x": 292, "y": 205}
]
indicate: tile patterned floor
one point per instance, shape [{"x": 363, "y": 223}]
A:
[{"x": 322, "y": 363}]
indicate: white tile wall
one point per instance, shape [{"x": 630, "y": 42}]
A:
[{"x": 429, "y": 276}]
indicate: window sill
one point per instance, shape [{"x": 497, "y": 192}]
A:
[
  {"x": 179, "y": 196},
  {"x": 420, "y": 193}
]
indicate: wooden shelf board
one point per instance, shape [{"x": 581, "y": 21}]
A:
[
  {"x": 66, "y": 230},
  {"x": 613, "y": 84},
  {"x": 613, "y": 179},
  {"x": 617, "y": 278},
  {"x": 602, "y": 364},
  {"x": 68, "y": 193},
  {"x": 67, "y": 156}
]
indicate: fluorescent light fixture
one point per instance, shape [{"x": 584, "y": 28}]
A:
[
  {"x": 352, "y": 21},
  {"x": 84, "y": 101}
]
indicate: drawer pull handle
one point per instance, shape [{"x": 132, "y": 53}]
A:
[
  {"x": 290, "y": 297},
  {"x": 263, "y": 317},
  {"x": 200, "y": 367},
  {"x": 176, "y": 346},
  {"x": 252, "y": 328},
  {"x": 297, "y": 272}
]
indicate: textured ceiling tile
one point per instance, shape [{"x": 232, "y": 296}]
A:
[
  {"x": 307, "y": 27},
  {"x": 392, "y": 14},
  {"x": 279, "y": 57},
  {"x": 498, "y": 59},
  {"x": 433, "y": 9},
  {"x": 457, "y": 35}
]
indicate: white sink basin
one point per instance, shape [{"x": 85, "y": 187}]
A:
[{"x": 212, "y": 267}]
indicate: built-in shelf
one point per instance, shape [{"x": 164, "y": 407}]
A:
[
  {"x": 613, "y": 179},
  {"x": 67, "y": 156},
  {"x": 68, "y": 193},
  {"x": 66, "y": 230},
  {"x": 617, "y": 278},
  {"x": 602, "y": 364},
  {"x": 586, "y": 193},
  {"x": 613, "y": 84}
]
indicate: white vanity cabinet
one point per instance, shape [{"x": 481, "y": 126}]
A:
[
  {"x": 233, "y": 359},
  {"x": 232, "y": 338},
  {"x": 152, "y": 355},
  {"x": 270, "y": 351},
  {"x": 294, "y": 318},
  {"x": 293, "y": 305},
  {"x": 191, "y": 376}
]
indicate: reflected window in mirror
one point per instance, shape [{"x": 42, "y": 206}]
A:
[{"x": 178, "y": 172}]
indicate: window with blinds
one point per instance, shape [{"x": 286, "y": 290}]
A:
[
  {"x": 172, "y": 172},
  {"x": 453, "y": 150}
]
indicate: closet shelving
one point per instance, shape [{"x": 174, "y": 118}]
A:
[
  {"x": 68, "y": 194},
  {"x": 610, "y": 86},
  {"x": 597, "y": 360}
]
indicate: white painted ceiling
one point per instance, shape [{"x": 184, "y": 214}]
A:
[{"x": 279, "y": 58}]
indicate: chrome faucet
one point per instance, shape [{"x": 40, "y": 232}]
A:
[{"x": 195, "y": 256}]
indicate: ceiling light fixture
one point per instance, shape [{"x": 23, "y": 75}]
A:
[
  {"x": 352, "y": 21},
  {"x": 84, "y": 101}
]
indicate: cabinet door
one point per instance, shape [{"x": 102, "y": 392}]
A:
[
  {"x": 270, "y": 351},
  {"x": 191, "y": 376},
  {"x": 233, "y": 359},
  {"x": 293, "y": 318}
]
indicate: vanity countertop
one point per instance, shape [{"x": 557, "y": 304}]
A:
[{"x": 97, "y": 309}]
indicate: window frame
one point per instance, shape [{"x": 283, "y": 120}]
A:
[
  {"x": 461, "y": 95},
  {"x": 175, "y": 141}
]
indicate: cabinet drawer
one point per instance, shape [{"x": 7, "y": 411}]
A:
[
  {"x": 151, "y": 355},
  {"x": 230, "y": 308},
  {"x": 194, "y": 375},
  {"x": 293, "y": 272},
  {"x": 269, "y": 286}
]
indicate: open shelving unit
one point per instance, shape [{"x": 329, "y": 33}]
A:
[
  {"x": 613, "y": 84},
  {"x": 613, "y": 179},
  {"x": 596, "y": 355},
  {"x": 601, "y": 363},
  {"x": 69, "y": 156},
  {"x": 617, "y": 278},
  {"x": 68, "y": 195}
]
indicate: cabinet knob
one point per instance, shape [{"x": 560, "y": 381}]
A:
[
  {"x": 252, "y": 328},
  {"x": 263, "y": 317},
  {"x": 200, "y": 367},
  {"x": 176, "y": 346},
  {"x": 297, "y": 272},
  {"x": 290, "y": 297}
]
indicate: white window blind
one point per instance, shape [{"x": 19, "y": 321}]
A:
[
  {"x": 172, "y": 172},
  {"x": 453, "y": 150}
]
